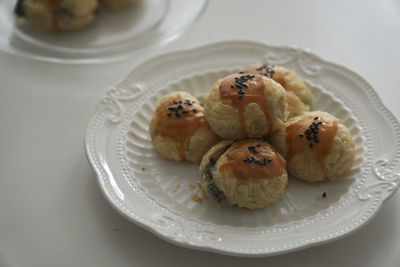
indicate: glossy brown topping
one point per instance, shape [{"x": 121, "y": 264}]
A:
[
  {"x": 242, "y": 90},
  {"x": 313, "y": 134},
  {"x": 277, "y": 73},
  {"x": 253, "y": 160},
  {"x": 178, "y": 119}
]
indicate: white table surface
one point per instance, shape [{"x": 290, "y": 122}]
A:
[{"x": 52, "y": 212}]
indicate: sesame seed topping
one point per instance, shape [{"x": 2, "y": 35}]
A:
[
  {"x": 169, "y": 114},
  {"x": 194, "y": 110},
  {"x": 324, "y": 195},
  {"x": 269, "y": 72}
]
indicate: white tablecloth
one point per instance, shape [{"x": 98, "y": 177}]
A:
[{"x": 51, "y": 210}]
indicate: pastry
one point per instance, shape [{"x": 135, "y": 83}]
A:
[
  {"x": 316, "y": 145},
  {"x": 57, "y": 14},
  {"x": 178, "y": 129},
  {"x": 246, "y": 106},
  {"x": 248, "y": 173},
  {"x": 299, "y": 95}
]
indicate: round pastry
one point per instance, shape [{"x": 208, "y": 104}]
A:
[
  {"x": 57, "y": 14},
  {"x": 316, "y": 145},
  {"x": 246, "y": 106},
  {"x": 248, "y": 173},
  {"x": 289, "y": 80},
  {"x": 178, "y": 129},
  {"x": 116, "y": 4}
]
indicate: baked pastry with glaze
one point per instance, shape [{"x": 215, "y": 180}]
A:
[
  {"x": 53, "y": 15},
  {"x": 248, "y": 173},
  {"x": 246, "y": 106},
  {"x": 179, "y": 130},
  {"x": 316, "y": 145},
  {"x": 300, "y": 97}
]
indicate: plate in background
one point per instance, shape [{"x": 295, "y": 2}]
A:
[{"x": 113, "y": 34}]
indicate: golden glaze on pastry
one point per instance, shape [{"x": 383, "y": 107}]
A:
[
  {"x": 289, "y": 80},
  {"x": 247, "y": 173},
  {"x": 316, "y": 134},
  {"x": 248, "y": 161},
  {"x": 316, "y": 145},
  {"x": 179, "y": 119},
  {"x": 178, "y": 128},
  {"x": 241, "y": 106},
  {"x": 247, "y": 89}
]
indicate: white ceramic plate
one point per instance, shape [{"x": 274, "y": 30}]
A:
[
  {"x": 155, "y": 193},
  {"x": 111, "y": 36}
]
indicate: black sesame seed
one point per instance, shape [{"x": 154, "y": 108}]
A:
[
  {"x": 239, "y": 86},
  {"x": 232, "y": 86},
  {"x": 316, "y": 118},
  {"x": 258, "y": 145},
  {"x": 175, "y": 102},
  {"x": 194, "y": 110},
  {"x": 241, "y": 72},
  {"x": 269, "y": 160},
  {"x": 241, "y": 92},
  {"x": 240, "y": 97},
  {"x": 169, "y": 114},
  {"x": 245, "y": 85},
  {"x": 180, "y": 101},
  {"x": 310, "y": 145},
  {"x": 179, "y": 107},
  {"x": 185, "y": 111},
  {"x": 324, "y": 195},
  {"x": 301, "y": 135},
  {"x": 320, "y": 122},
  {"x": 172, "y": 108}
]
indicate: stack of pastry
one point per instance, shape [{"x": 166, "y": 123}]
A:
[
  {"x": 64, "y": 15},
  {"x": 255, "y": 128}
]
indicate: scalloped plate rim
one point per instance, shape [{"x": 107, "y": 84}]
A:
[{"x": 371, "y": 92}]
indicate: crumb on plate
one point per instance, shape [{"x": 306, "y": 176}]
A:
[
  {"x": 197, "y": 199},
  {"x": 176, "y": 188}
]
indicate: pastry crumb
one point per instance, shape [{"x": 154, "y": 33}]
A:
[
  {"x": 116, "y": 229},
  {"x": 197, "y": 199},
  {"x": 176, "y": 188},
  {"x": 201, "y": 188},
  {"x": 192, "y": 187}
]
